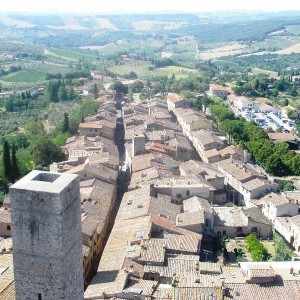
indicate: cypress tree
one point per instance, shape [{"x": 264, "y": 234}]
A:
[
  {"x": 66, "y": 126},
  {"x": 14, "y": 165},
  {"x": 6, "y": 161}
]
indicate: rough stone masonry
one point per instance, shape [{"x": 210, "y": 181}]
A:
[{"x": 46, "y": 233}]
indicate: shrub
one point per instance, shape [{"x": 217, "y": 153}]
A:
[{"x": 257, "y": 249}]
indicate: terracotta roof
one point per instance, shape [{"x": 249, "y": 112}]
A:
[
  {"x": 238, "y": 170},
  {"x": 162, "y": 206},
  {"x": 167, "y": 225},
  {"x": 197, "y": 293},
  {"x": 229, "y": 216},
  {"x": 211, "y": 153},
  {"x": 256, "y": 215},
  {"x": 206, "y": 137},
  {"x": 196, "y": 203},
  {"x": 174, "y": 97},
  {"x": 190, "y": 218},
  {"x": 263, "y": 291},
  {"x": 255, "y": 183},
  {"x": 282, "y": 136},
  {"x": 153, "y": 251},
  {"x": 275, "y": 199},
  {"x": 90, "y": 125},
  {"x": 218, "y": 87}
]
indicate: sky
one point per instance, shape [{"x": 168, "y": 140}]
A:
[{"x": 133, "y": 6}]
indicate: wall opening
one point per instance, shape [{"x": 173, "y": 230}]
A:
[{"x": 46, "y": 177}]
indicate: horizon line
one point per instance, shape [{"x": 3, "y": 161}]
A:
[{"x": 122, "y": 12}]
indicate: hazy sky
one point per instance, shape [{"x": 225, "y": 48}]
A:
[{"x": 98, "y": 6}]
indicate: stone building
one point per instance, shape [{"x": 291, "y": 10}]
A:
[{"x": 47, "y": 240}]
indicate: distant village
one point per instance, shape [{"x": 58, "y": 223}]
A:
[{"x": 158, "y": 184}]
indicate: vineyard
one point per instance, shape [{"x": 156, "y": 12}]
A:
[{"x": 145, "y": 71}]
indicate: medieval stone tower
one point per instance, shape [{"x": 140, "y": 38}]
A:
[
  {"x": 138, "y": 144},
  {"x": 47, "y": 239}
]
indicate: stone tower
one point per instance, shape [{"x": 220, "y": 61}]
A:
[
  {"x": 47, "y": 239},
  {"x": 138, "y": 144}
]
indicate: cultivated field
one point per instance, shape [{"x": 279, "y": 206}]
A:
[
  {"x": 70, "y": 55},
  {"x": 143, "y": 71},
  {"x": 271, "y": 74},
  {"x": 70, "y": 24},
  {"x": 292, "y": 49},
  {"x": 147, "y": 25},
  {"x": 97, "y": 48},
  {"x": 228, "y": 50},
  {"x": 24, "y": 76},
  {"x": 106, "y": 24},
  {"x": 294, "y": 29},
  {"x": 12, "y": 22}
]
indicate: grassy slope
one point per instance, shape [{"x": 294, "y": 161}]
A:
[{"x": 24, "y": 76}]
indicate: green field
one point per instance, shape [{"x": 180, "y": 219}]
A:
[
  {"x": 24, "y": 76},
  {"x": 227, "y": 64},
  {"x": 143, "y": 72},
  {"x": 257, "y": 71},
  {"x": 70, "y": 55}
]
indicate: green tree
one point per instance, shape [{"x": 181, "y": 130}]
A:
[
  {"x": 119, "y": 87},
  {"x": 285, "y": 185},
  {"x": 45, "y": 152},
  {"x": 264, "y": 152},
  {"x": 65, "y": 127},
  {"x": 14, "y": 165},
  {"x": 71, "y": 94},
  {"x": 233, "y": 129},
  {"x": 275, "y": 166},
  {"x": 285, "y": 102},
  {"x": 9, "y": 105},
  {"x": 95, "y": 90},
  {"x": 35, "y": 127},
  {"x": 254, "y": 132},
  {"x": 257, "y": 249},
  {"x": 25, "y": 161},
  {"x": 293, "y": 92},
  {"x": 7, "y": 170},
  {"x": 255, "y": 84},
  {"x": 295, "y": 165},
  {"x": 221, "y": 113},
  {"x": 62, "y": 94},
  {"x": 3, "y": 186},
  {"x": 283, "y": 252},
  {"x": 133, "y": 75},
  {"x": 137, "y": 86}
]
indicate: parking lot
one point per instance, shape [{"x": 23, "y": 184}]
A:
[{"x": 273, "y": 120}]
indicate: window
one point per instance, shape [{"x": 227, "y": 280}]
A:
[
  {"x": 178, "y": 195},
  {"x": 254, "y": 229},
  {"x": 187, "y": 193},
  {"x": 8, "y": 227},
  {"x": 224, "y": 232},
  {"x": 39, "y": 296}
]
